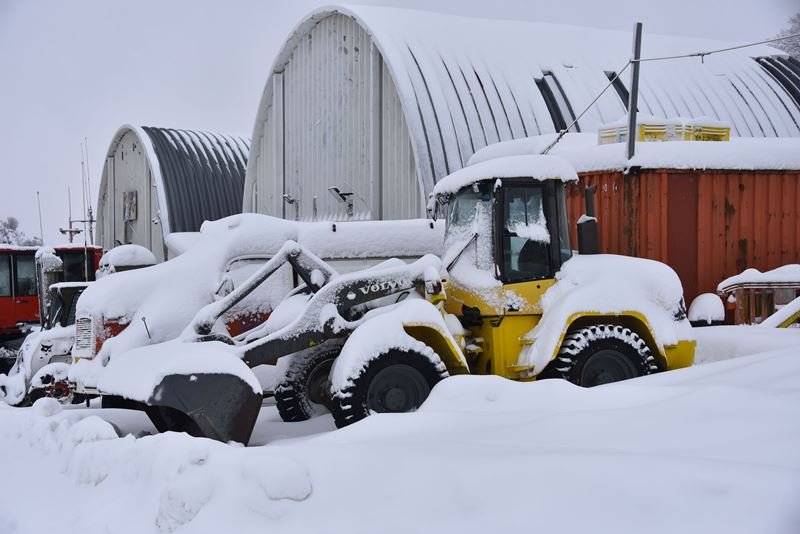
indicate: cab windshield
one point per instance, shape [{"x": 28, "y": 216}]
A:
[{"x": 469, "y": 227}]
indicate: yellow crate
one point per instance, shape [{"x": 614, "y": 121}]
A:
[{"x": 667, "y": 131}]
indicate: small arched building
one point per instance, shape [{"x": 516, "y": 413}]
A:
[
  {"x": 365, "y": 108},
  {"x": 162, "y": 181}
]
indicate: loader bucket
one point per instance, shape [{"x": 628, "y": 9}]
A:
[{"x": 211, "y": 405}]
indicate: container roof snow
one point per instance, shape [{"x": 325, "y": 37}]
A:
[{"x": 464, "y": 83}]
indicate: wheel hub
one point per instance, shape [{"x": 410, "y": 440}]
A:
[
  {"x": 396, "y": 389},
  {"x": 606, "y": 366}
]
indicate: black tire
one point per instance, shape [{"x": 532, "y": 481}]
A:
[
  {"x": 397, "y": 381},
  {"x": 601, "y": 354},
  {"x": 304, "y": 391}
]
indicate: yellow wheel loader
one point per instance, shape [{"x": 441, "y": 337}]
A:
[{"x": 508, "y": 298}]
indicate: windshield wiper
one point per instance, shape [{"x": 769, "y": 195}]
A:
[{"x": 460, "y": 252}]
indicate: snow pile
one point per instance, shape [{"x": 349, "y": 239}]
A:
[
  {"x": 716, "y": 343},
  {"x": 782, "y": 315},
  {"x": 707, "y": 307},
  {"x": 180, "y": 242},
  {"x": 582, "y": 151},
  {"x": 688, "y": 451},
  {"x": 46, "y": 257},
  {"x": 607, "y": 284},
  {"x": 789, "y": 274}
]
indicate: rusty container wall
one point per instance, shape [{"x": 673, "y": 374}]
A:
[{"x": 707, "y": 225}]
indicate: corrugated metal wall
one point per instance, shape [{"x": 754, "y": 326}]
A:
[
  {"x": 707, "y": 225},
  {"x": 128, "y": 171},
  {"x": 335, "y": 121}
]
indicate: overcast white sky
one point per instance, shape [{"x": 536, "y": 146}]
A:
[{"x": 83, "y": 68}]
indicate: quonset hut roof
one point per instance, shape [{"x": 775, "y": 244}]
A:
[
  {"x": 465, "y": 83},
  {"x": 198, "y": 175}
]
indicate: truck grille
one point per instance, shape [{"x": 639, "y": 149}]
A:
[{"x": 83, "y": 336}]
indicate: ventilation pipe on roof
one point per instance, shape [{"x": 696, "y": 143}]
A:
[{"x": 634, "y": 94}]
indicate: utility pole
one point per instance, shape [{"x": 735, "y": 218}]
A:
[
  {"x": 41, "y": 228},
  {"x": 70, "y": 231},
  {"x": 633, "y": 97}
]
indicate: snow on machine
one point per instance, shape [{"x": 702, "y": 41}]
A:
[
  {"x": 152, "y": 305},
  {"x": 508, "y": 298}
]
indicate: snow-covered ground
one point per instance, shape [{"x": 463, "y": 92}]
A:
[{"x": 713, "y": 448}]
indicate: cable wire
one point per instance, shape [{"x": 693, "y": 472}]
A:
[
  {"x": 701, "y": 55},
  {"x": 563, "y": 132}
]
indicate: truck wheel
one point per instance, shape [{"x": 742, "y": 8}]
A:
[
  {"x": 304, "y": 390},
  {"x": 601, "y": 354},
  {"x": 398, "y": 381}
]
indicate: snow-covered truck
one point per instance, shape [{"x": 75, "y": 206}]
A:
[
  {"x": 41, "y": 364},
  {"x": 152, "y": 305},
  {"x": 508, "y": 298}
]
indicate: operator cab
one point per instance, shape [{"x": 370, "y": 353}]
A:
[{"x": 506, "y": 219}]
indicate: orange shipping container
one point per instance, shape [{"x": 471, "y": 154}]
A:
[{"x": 706, "y": 224}]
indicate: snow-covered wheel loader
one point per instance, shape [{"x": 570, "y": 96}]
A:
[{"x": 508, "y": 298}]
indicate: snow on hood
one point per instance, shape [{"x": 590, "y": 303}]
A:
[
  {"x": 608, "y": 284},
  {"x": 784, "y": 274},
  {"x": 128, "y": 256}
]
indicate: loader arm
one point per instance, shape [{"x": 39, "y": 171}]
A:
[
  {"x": 337, "y": 309},
  {"x": 302, "y": 261}
]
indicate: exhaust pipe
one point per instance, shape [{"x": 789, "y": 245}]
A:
[{"x": 588, "y": 236}]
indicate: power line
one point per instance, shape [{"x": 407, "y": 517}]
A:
[
  {"x": 563, "y": 132},
  {"x": 701, "y": 55}
]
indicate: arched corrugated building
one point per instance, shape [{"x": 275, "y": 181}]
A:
[
  {"x": 158, "y": 181},
  {"x": 366, "y": 108}
]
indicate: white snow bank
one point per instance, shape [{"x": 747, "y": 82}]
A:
[
  {"x": 135, "y": 374},
  {"x": 716, "y": 343},
  {"x": 707, "y": 307},
  {"x": 689, "y": 451},
  {"x": 535, "y": 167},
  {"x": 607, "y": 284},
  {"x": 785, "y": 274},
  {"x": 782, "y": 315},
  {"x": 582, "y": 151}
]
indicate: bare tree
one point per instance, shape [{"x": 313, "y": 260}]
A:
[
  {"x": 791, "y": 46},
  {"x": 11, "y": 234}
]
